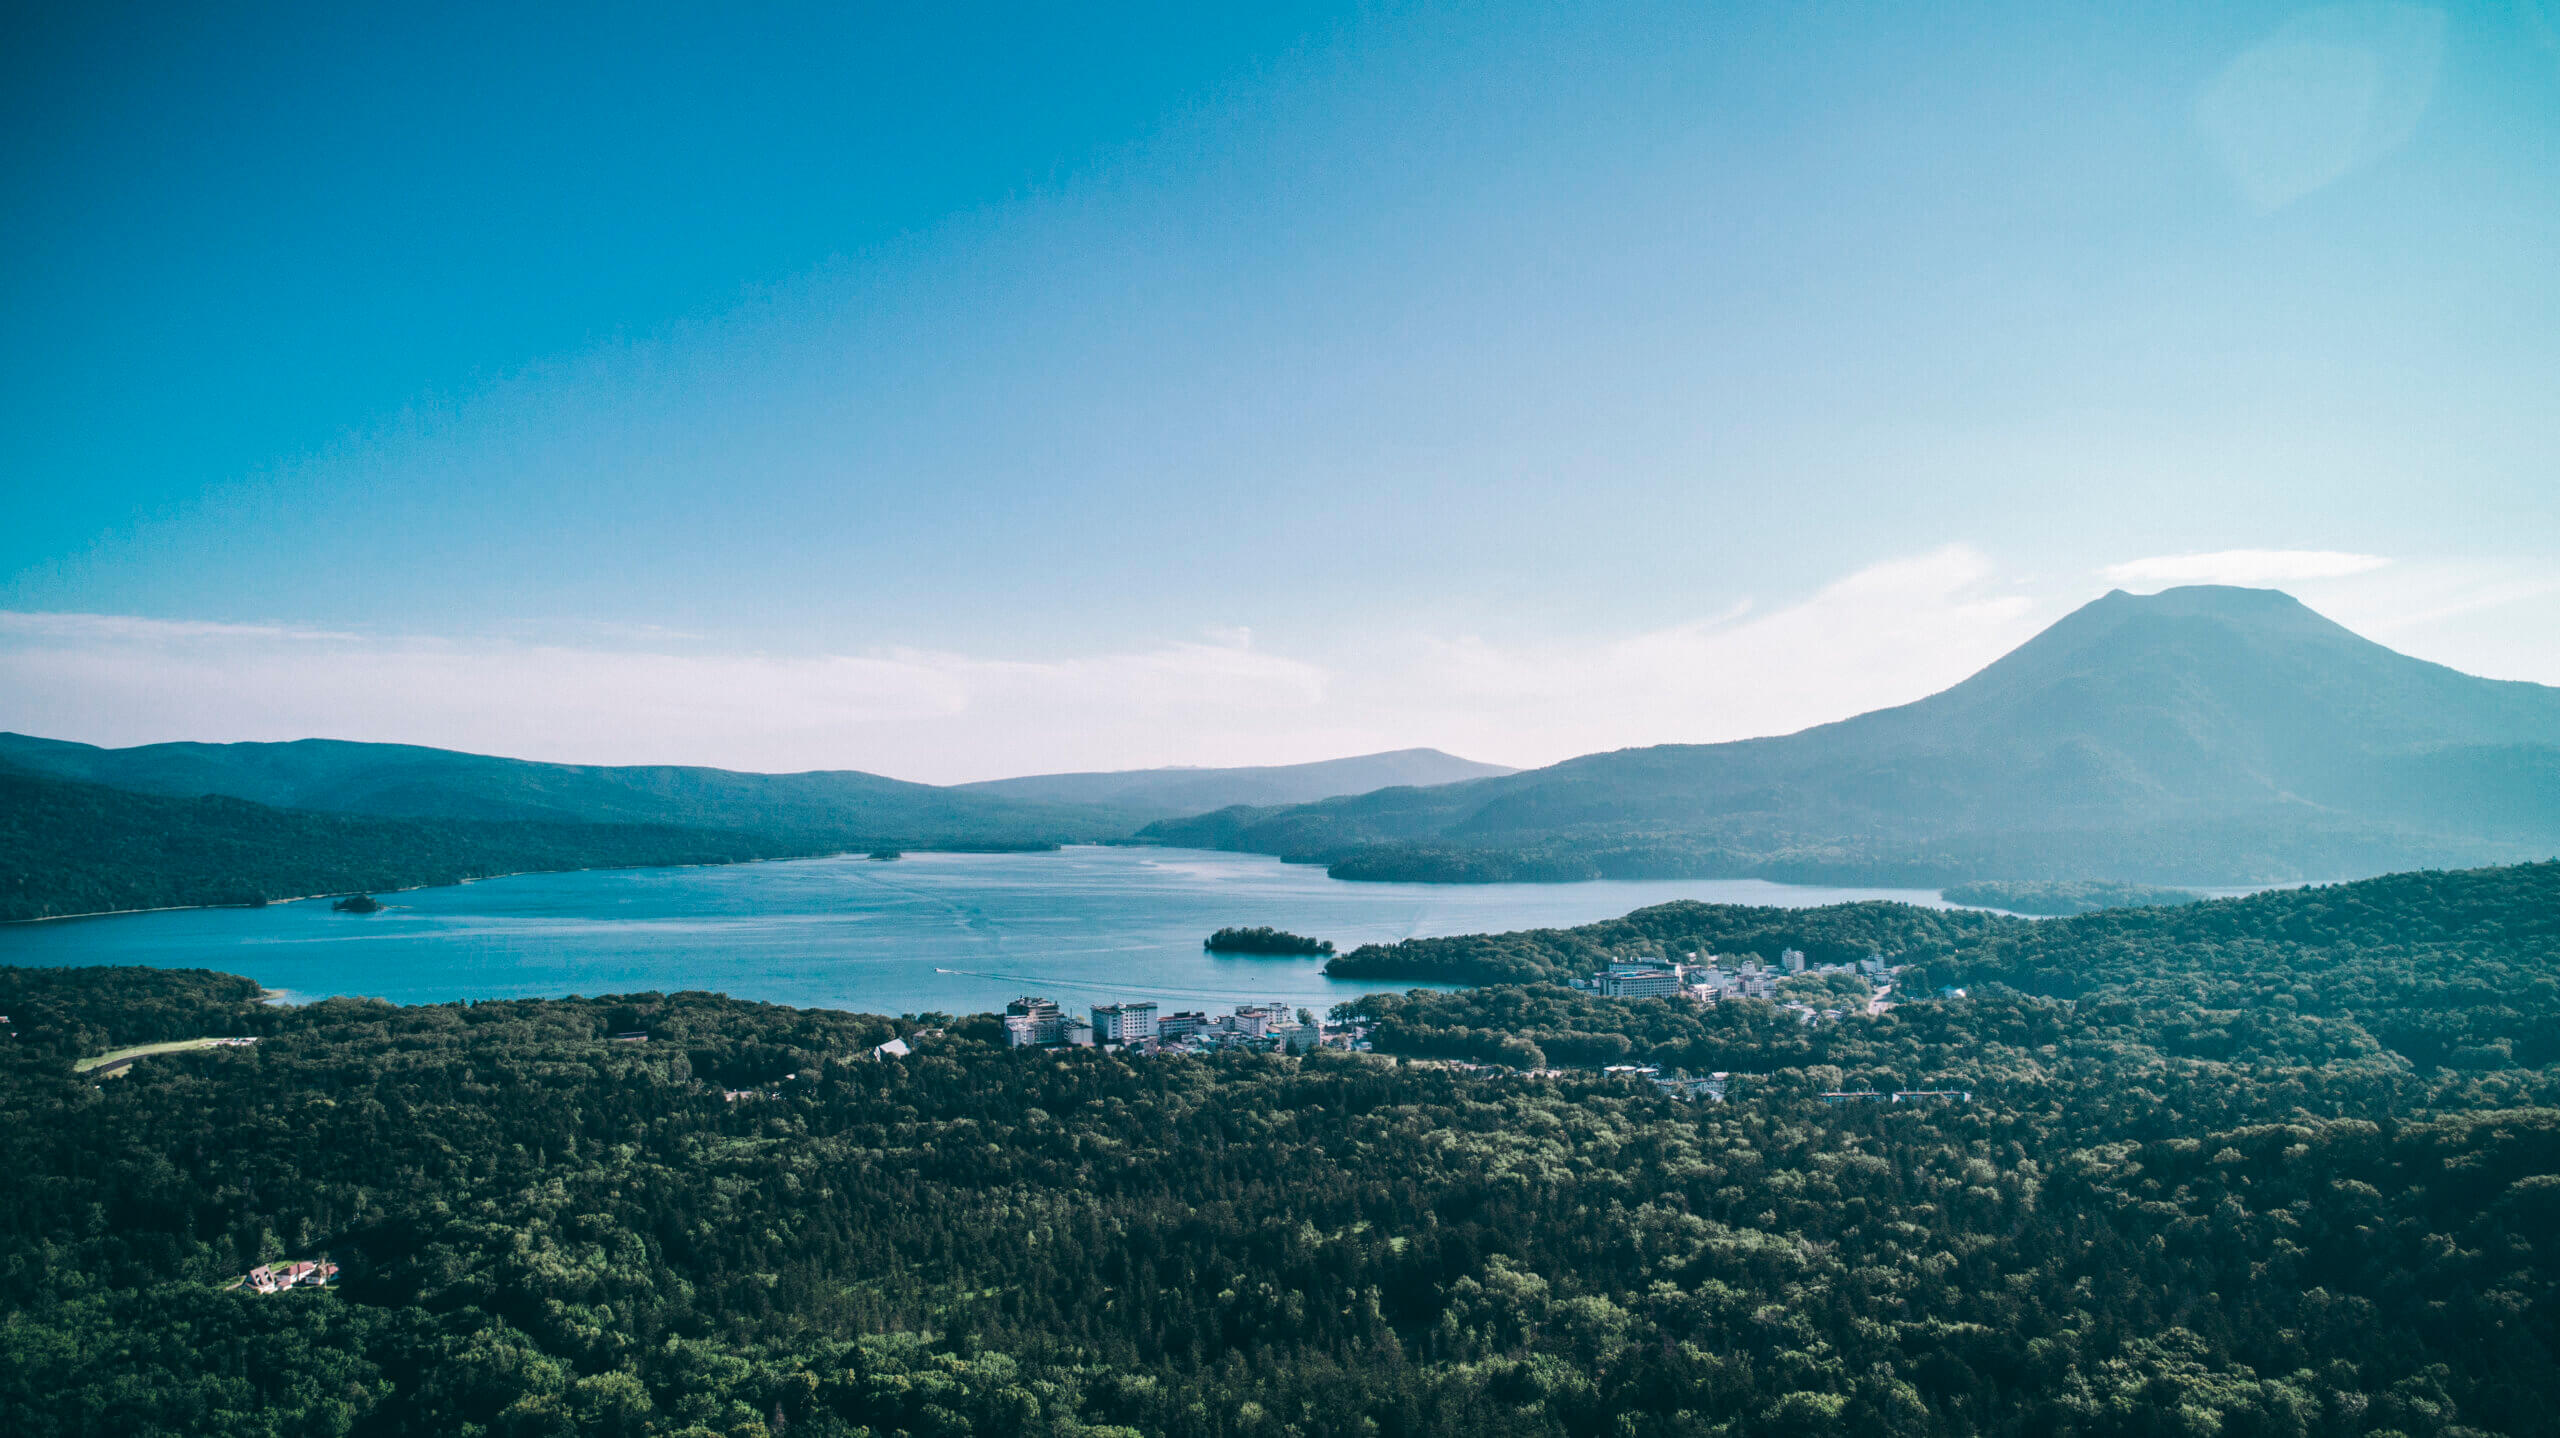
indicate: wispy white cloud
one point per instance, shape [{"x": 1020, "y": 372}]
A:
[
  {"x": 19, "y": 624},
  {"x": 1884, "y": 634},
  {"x": 2498, "y": 617},
  {"x": 1880, "y": 635},
  {"x": 924, "y": 713},
  {"x": 2244, "y": 566}
]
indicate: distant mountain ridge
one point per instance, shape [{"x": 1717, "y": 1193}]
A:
[
  {"x": 1165, "y": 792},
  {"x": 409, "y": 781},
  {"x": 2203, "y": 735},
  {"x": 405, "y": 781},
  {"x": 2200, "y": 735},
  {"x": 90, "y": 830}
]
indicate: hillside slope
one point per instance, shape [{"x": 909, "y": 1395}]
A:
[
  {"x": 1163, "y": 792},
  {"x": 410, "y": 782},
  {"x": 73, "y": 848},
  {"x": 2200, "y": 735}
]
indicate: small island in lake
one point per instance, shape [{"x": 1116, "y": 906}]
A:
[
  {"x": 358, "y": 904},
  {"x": 1266, "y": 940}
]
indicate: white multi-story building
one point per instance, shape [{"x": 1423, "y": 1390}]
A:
[
  {"x": 1297, "y": 1038},
  {"x": 1792, "y": 960},
  {"x": 1032, "y": 1021},
  {"x": 1124, "y": 1023},
  {"x": 1639, "y": 981}
]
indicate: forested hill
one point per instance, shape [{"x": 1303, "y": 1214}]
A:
[
  {"x": 2201, "y": 735},
  {"x": 408, "y": 782},
  {"x": 2420, "y": 972},
  {"x": 69, "y": 848},
  {"x": 2189, "y": 1179},
  {"x": 2481, "y": 913},
  {"x": 1831, "y": 934}
]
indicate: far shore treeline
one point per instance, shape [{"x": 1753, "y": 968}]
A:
[
  {"x": 2057, "y": 898},
  {"x": 1835, "y": 934}
]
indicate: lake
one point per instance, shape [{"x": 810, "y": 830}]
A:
[{"x": 958, "y": 933}]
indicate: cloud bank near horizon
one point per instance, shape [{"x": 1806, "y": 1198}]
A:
[{"x": 1885, "y": 634}]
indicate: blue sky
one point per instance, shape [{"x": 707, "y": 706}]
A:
[{"x": 1024, "y": 388}]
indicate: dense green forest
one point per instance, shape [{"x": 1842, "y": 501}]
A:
[
  {"x": 69, "y": 848},
  {"x": 1266, "y": 940},
  {"x": 2286, "y": 1165},
  {"x": 2060, "y": 898},
  {"x": 1839, "y": 933}
]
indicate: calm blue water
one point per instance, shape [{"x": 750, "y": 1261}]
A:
[{"x": 1083, "y": 926}]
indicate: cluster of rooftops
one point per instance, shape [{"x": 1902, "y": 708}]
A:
[
  {"x": 281, "y": 1277},
  {"x": 1032, "y": 1021},
  {"x": 1712, "y": 977}
]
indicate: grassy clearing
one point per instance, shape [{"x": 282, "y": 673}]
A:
[{"x": 139, "y": 1050}]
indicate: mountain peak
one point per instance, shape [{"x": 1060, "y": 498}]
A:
[
  {"x": 2205, "y": 733},
  {"x": 2232, "y": 602},
  {"x": 2229, "y": 603},
  {"x": 2186, "y": 614}
]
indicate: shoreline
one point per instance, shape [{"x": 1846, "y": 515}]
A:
[
  {"x": 1938, "y": 894},
  {"x": 859, "y": 853},
  {"x": 675, "y": 928},
  {"x": 418, "y": 888},
  {"x": 512, "y": 874}
]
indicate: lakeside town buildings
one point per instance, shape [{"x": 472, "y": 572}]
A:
[
  {"x": 1035, "y": 1022},
  {"x": 1641, "y": 979},
  {"x": 1135, "y": 1025},
  {"x": 1715, "y": 978},
  {"x": 1128, "y": 1023}
]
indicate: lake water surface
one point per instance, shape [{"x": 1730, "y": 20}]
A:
[{"x": 957, "y": 933}]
